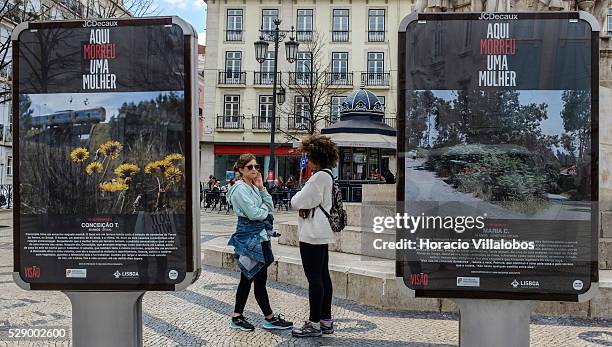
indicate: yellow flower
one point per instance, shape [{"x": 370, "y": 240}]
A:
[
  {"x": 111, "y": 149},
  {"x": 126, "y": 170},
  {"x": 79, "y": 155},
  {"x": 171, "y": 158},
  {"x": 173, "y": 174},
  {"x": 114, "y": 186},
  {"x": 157, "y": 166},
  {"x": 93, "y": 167}
]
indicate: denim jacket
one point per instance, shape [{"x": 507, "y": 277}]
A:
[{"x": 247, "y": 242}]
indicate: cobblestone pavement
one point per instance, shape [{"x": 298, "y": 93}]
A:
[{"x": 199, "y": 315}]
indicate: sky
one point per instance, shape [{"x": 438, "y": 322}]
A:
[
  {"x": 193, "y": 11},
  {"x": 43, "y": 104}
]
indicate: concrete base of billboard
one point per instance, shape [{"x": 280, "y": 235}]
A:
[
  {"x": 501, "y": 323},
  {"x": 101, "y": 319}
]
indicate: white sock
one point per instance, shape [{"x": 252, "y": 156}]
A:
[
  {"x": 326, "y": 322},
  {"x": 316, "y": 325}
]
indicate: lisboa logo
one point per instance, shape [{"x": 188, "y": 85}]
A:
[
  {"x": 117, "y": 274},
  {"x": 515, "y": 283}
]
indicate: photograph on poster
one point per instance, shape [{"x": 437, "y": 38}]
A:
[
  {"x": 113, "y": 153},
  {"x": 514, "y": 153}
]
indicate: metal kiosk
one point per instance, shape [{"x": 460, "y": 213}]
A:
[
  {"x": 106, "y": 200},
  {"x": 503, "y": 111}
]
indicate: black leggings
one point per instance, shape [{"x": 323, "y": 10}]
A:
[
  {"x": 261, "y": 293},
  {"x": 315, "y": 261}
]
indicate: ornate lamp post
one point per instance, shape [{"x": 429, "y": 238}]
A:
[{"x": 261, "y": 52}]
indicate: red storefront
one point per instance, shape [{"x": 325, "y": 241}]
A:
[{"x": 287, "y": 159}]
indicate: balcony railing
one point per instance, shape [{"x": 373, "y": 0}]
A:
[
  {"x": 230, "y": 122},
  {"x": 233, "y": 35},
  {"x": 303, "y": 35},
  {"x": 340, "y": 36},
  {"x": 390, "y": 122},
  {"x": 260, "y": 122},
  {"x": 376, "y": 36},
  {"x": 232, "y": 77},
  {"x": 339, "y": 78},
  {"x": 375, "y": 78},
  {"x": 266, "y": 78},
  {"x": 301, "y": 78},
  {"x": 298, "y": 123}
]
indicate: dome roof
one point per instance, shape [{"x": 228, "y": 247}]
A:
[{"x": 361, "y": 100}]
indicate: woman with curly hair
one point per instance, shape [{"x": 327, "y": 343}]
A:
[{"x": 315, "y": 233}]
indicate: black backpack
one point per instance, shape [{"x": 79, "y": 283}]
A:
[{"x": 337, "y": 213}]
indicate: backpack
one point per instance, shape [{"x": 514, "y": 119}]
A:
[{"x": 337, "y": 213}]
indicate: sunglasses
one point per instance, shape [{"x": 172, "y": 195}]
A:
[{"x": 251, "y": 167}]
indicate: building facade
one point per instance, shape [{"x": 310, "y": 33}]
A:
[{"x": 343, "y": 44}]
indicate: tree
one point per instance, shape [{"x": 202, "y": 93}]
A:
[
  {"x": 576, "y": 115},
  {"x": 309, "y": 103}
]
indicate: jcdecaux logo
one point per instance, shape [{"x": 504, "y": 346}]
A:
[{"x": 95, "y": 23}]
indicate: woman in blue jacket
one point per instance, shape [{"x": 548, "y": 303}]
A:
[{"x": 251, "y": 241}]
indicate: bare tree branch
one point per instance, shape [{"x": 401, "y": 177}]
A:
[{"x": 315, "y": 90}]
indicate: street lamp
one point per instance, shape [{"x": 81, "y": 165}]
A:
[{"x": 261, "y": 53}]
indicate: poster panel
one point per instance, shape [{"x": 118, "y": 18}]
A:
[
  {"x": 497, "y": 192},
  {"x": 103, "y": 126}
]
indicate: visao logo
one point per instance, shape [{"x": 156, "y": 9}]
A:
[
  {"x": 95, "y": 23},
  {"x": 32, "y": 272},
  {"x": 419, "y": 279}
]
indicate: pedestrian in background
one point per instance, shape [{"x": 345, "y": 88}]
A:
[
  {"x": 251, "y": 241},
  {"x": 315, "y": 233}
]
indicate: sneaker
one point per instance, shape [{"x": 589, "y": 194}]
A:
[
  {"x": 277, "y": 322},
  {"x": 327, "y": 329},
  {"x": 241, "y": 323},
  {"x": 308, "y": 330}
]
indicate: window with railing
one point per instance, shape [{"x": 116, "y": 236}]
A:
[
  {"x": 264, "y": 118},
  {"x": 301, "y": 114},
  {"x": 231, "y": 113},
  {"x": 9, "y": 166},
  {"x": 233, "y": 28},
  {"x": 335, "y": 107},
  {"x": 268, "y": 17},
  {"x": 610, "y": 22},
  {"x": 8, "y": 134},
  {"x": 304, "y": 25},
  {"x": 233, "y": 67},
  {"x": 376, "y": 25},
  {"x": 303, "y": 69},
  {"x": 339, "y": 74},
  {"x": 266, "y": 70},
  {"x": 376, "y": 76},
  {"x": 340, "y": 29}
]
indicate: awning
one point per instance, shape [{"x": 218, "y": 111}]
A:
[{"x": 364, "y": 140}]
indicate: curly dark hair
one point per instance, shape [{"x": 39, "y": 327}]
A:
[{"x": 321, "y": 150}]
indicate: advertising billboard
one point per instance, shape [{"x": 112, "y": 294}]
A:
[
  {"x": 105, "y": 141},
  {"x": 497, "y": 155}
]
